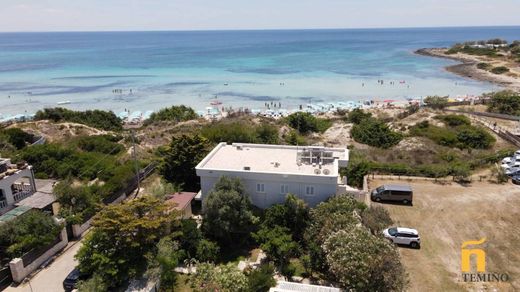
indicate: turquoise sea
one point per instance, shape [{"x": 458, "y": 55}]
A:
[{"x": 150, "y": 70}]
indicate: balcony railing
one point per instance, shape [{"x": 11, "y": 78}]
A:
[{"x": 22, "y": 195}]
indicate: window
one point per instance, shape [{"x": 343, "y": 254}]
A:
[
  {"x": 309, "y": 190},
  {"x": 284, "y": 189},
  {"x": 260, "y": 188}
]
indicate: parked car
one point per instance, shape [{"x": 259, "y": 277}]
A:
[
  {"x": 403, "y": 236},
  {"x": 71, "y": 281},
  {"x": 516, "y": 179},
  {"x": 512, "y": 171},
  {"x": 400, "y": 193}
]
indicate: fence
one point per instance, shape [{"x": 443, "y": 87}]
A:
[
  {"x": 5, "y": 277},
  {"x": 40, "y": 141}
]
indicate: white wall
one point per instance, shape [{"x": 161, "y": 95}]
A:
[{"x": 324, "y": 187}]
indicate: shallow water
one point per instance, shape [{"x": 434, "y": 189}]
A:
[{"x": 241, "y": 68}]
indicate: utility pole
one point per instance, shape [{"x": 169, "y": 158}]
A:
[{"x": 134, "y": 156}]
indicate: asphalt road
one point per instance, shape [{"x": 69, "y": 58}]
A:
[{"x": 50, "y": 279}]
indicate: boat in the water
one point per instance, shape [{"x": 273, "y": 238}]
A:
[{"x": 64, "y": 102}]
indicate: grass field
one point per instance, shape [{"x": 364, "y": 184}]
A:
[{"x": 446, "y": 216}]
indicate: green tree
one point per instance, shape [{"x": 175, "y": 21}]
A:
[
  {"x": 505, "y": 102},
  {"x": 29, "y": 231},
  {"x": 360, "y": 261},
  {"x": 376, "y": 218},
  {"x": 207, "y": 251},
  {"x": 222, "y": 278},
  {"x": 303, "y": 122},
  {"x": 228, "y": 215},
  {"x": 123, "y": 234},
  {"x": 436, "y": 102},
  {"x": 474, "y": 137},
  {"x": 293, "y": 215},
  {"x": 261, "y": 279},
  {"x": 94, "y": 284},
  {"x": 77, "y": 203},
  {"x": 375, "y": 133},
  {"x": 162, "y": 265},
  {"x": 181, "y": 158},
  {"x": 337, "y": 213},
  {"x": 277, "y": 243}
]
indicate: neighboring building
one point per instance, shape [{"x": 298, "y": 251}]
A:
[
  {"x": 43, "y": 199},
  {"x": 16, "y": 183},
  {"x": 270, "y": 172},
  {"x": 282, "y": 286},
  {"x": 182, "y": 203}
]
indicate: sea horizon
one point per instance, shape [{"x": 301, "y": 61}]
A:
[{"x": 149, "y": 70}]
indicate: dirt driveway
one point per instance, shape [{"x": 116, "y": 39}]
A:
[{"x": 446, "y": 216}]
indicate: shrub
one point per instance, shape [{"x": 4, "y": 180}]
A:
[
  {"x": 454, "y": 120},
  {"x": 358, "y": 115},
  {"x": 375, "y": 133},
  {"x": 436, "y": 102},
  {"x": 305, "y": 123},
  {"x": 261, "y": 279},
  {"x": 105, "y": 144},
  {"x": 104, "y": 120},
  {"x": 505, "y": 102},
  {"x": 376, "y": 219},
  {"x": 207, "y": 251},
  {"x": 500, "y": 70},
  {"x": 16, "y": 137},
  {"x": 484, "y": 66},
  {"x": 475, "y": 137},
  {"x": 176, "y": 113},
  {"x": 27, "y": 232}
]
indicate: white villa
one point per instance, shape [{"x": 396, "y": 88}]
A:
[
  {"x": 16, "y": 183},
  {"x": 270, "y": 172}
]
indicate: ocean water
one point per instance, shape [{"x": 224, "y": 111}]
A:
[{"x": 150, "y": 70}]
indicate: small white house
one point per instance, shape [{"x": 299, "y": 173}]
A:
[
  {"x": 16, "y": 183},
  {"x": 270, "y": 172}
]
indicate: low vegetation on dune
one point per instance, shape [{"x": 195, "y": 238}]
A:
[
  {"x": 173, "y": 114},
  {"x": 100, "y": 119}
]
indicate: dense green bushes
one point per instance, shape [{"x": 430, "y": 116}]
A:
[
  {"x": 436, "y": 102},
  {"x": 376, "y": 133},
  {"x": 16, "y": 137},
  {"x": 237, "y": 132},
  {"x": 27, "y": 232},
  {"x": 106, "y": 144},
  {"x": 175, "y": 113},
  {"x": 306, "y": 123},
  {"x": 459, "y": 133},
  {"x": 505, "y": 102},
  {"x": 499, "y": 70},
  {"x": 99, "y": 119}
]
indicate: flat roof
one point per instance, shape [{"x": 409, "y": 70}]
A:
[
  {"x": 38, "y": 200},
  {"x": 272, "y": 159}
]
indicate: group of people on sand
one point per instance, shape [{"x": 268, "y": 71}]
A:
[{"x": 272, "y": 105}]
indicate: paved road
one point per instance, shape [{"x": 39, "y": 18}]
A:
[{"x": 51, "y": 278}]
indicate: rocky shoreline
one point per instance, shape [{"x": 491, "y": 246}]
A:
[{"x": 468, "y": 68}]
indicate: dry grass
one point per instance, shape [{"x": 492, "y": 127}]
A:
[{"x": 446, "y": 216}]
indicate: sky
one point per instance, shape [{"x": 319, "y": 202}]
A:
[{"x": 116, "y": 15}]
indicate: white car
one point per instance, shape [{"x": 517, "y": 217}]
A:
[
  {"x": 507, "y": 160},
  {"x": 405, "y": 236}
]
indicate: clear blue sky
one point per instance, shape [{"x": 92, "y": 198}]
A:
[{"x": 82, "y": 15}]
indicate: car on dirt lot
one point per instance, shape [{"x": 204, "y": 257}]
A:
[{"x": 403, "y": 236}]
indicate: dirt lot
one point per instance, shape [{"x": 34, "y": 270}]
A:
[{"x": 446, "y": 216}]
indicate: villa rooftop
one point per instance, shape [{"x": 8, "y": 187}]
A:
[{"x": 297, "y": 160}]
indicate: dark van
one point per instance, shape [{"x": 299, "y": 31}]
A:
[{"x": 396, "y": 193}]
